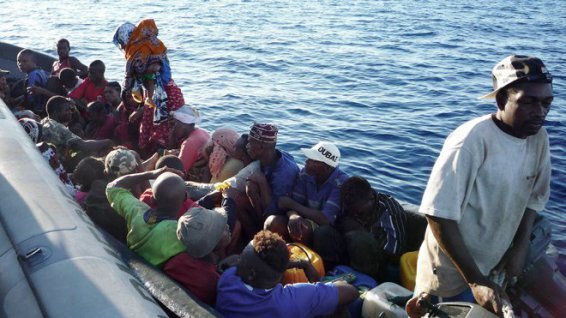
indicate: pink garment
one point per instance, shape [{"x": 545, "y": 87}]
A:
[
  {"x": 191, "y": 147},
  {"x": 223, "y": 140}
]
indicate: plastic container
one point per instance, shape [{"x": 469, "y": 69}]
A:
[
  {"x": 378, "y": 301},
  {"x": 300, "y": 251},
  {"x": 408, "y": 264}
]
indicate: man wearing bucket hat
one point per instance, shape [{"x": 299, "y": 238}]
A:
[
  {"x": 315, "y": 199},
  {"x": 490, "y": 178},
  {"x": 186, "y": 136}
]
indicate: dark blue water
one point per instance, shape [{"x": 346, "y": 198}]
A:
[{"x": 386, "y": 80}]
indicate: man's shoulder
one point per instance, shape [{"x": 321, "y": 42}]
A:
[{"x": 287, "y": 161}]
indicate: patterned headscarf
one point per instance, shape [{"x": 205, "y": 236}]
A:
[
  {"x": 32, "y": 128},
  {"x": 143, "y": 42},
  {"x": 223, "y": 140},
  {"x": 264, "y": 133},
  {"x": 122, "y": 34}
]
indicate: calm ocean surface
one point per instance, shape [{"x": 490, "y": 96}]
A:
[{"x": 386, "y": 80}]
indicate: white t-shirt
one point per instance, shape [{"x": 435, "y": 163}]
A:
[{"x": 483, "y": 179}]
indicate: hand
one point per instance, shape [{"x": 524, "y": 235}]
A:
[
  {"x": 35, "y": 90},
  {"x": 416, "y": 306},
  {"x": 297, "y": 226},
  {"x": 489, "y": 296},
  {"x": 512, "y": 262}
]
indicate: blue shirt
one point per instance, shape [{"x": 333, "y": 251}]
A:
[
  {"x": 236, "y": 299},
  {"x": 281, "y": 177},
  {"x": 326, "y": 198},
  {"x": 36, "y": 77}
]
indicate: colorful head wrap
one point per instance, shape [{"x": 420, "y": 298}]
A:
[
  {"x": 122, "y": 34},
  {"x": 264, "y": 133},
  {"x": 223, "y": 141},
  {"x": 32, "y": 128}
]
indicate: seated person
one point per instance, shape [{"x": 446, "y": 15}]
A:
[
  {"x": 276, "y": 178},
  {"x": 172, "y": 162},
  {"x": 374, "y": 226},
  {"x": 35, "y": 78},
  {"x": 204, "y": 233},
  {"x": 112, "y": 96},
  {"x": 69, "y": 80},
  {"x": 151, "y": 232},
  {"x": 66, "y": 61},
  {"x": 216, "y": 162},
  {"x": 315, "y": 200},
  {"x": 86, "y": 173},
  {"x": 128, "y": 128},
  {"x": 186, "y": 136},
  {"x": 48, "y": 151},
  {"x": 101, "y": 125},
  {"x": 56, "y": 132},
  {"x": 92, "y": 88},
  {"x": 5, "y": 93},
  {"x": 253, "y": 288}
]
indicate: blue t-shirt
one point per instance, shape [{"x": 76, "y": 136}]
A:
[
  {"x": 36, "y": 77},
  {"x": 236, "y": 299},
  {"x": 326, "y": 198},
  {"x": 281, "y": 176}
]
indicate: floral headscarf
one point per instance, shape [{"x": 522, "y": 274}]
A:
[
  {"x": 122, "y": 34},
  {"x": 223, "y": 140}
]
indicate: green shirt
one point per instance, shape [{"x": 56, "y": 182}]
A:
[{"x": 156, "y": 243}]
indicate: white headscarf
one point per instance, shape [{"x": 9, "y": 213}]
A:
[{"x": 187, "y": 115}]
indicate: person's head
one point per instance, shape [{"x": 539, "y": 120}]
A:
[
  {"x": 96, "y": 71},
  {"x": 60, "y": 109},
  {"x": 112, "y": 93},
  {"x": 26, "y": 60},
  {"x": 523, "y": 92},
  {"x": 203, "y": 231},
  {"x": 169, "y": 193},
  {"x": 322, "y": 158},
  {"x": 170, "y": 161},
  {"x": 63, "y": 48},
  {"x": 87, "y": 171},
  {"x": 264, "y": 261},
  {"x": 120, "y": 162},
  {"x": 122, "y": 35},
  {"x": 262, "y": 139},
  {"x": 183, "y": 121},
  {"x": 68, "y": 78},
  {"x": 240, "y": 151},
  {"x": 357, "y": 196},
  {"x": 32, "y": 128},
  {"x": 96, "y": 113}
]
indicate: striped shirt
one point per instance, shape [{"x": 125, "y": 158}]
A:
[{"x": 390, "y": 228}]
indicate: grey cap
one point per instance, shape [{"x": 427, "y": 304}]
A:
[{"x": 200, "y": 230}]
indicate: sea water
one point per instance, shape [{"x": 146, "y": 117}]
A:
[{"x": 387, "y": 81}]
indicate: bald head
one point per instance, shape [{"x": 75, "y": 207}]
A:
[{"x": 169, "y": 191}]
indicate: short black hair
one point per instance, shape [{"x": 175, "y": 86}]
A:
[
  {"x": 64, "y": 41},
  {"x": 271, "y": 249},
  {"x": 54, "y": 104},
  {"x": 97, "y": 63},
  {"x": 96, "y": 107},
  {"x": 354, "y": 189},
  {"x": 171, "y": 162},
  {"x": 67, "y": 74},
  {"x": 27, "y": 52},
  {"x": 115, "y": 85},
  {"x": 87, "y": 171}
]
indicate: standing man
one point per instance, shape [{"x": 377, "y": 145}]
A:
[{"x": 489, "y": 181}]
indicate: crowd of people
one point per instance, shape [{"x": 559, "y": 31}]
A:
[{"x": 185, "y": 199}]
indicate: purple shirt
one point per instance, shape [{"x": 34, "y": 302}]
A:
[
  {"x": 236, "y": 299},
  {"x": 326, "y": 198},
  {"x": 281, "y": 176},
  {"x": 37, "y": 77}
]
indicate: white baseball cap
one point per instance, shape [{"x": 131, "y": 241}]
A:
[{"x": 325, "y": 152}]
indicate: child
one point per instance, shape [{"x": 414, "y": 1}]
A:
[
  {"x": 147, "y": 62},
  {"x": 65, "y": 61},
  {"x": 35, "y": 77},
  {"x": 87, "y": 171},
  {"x": 112, "y": 96}
]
